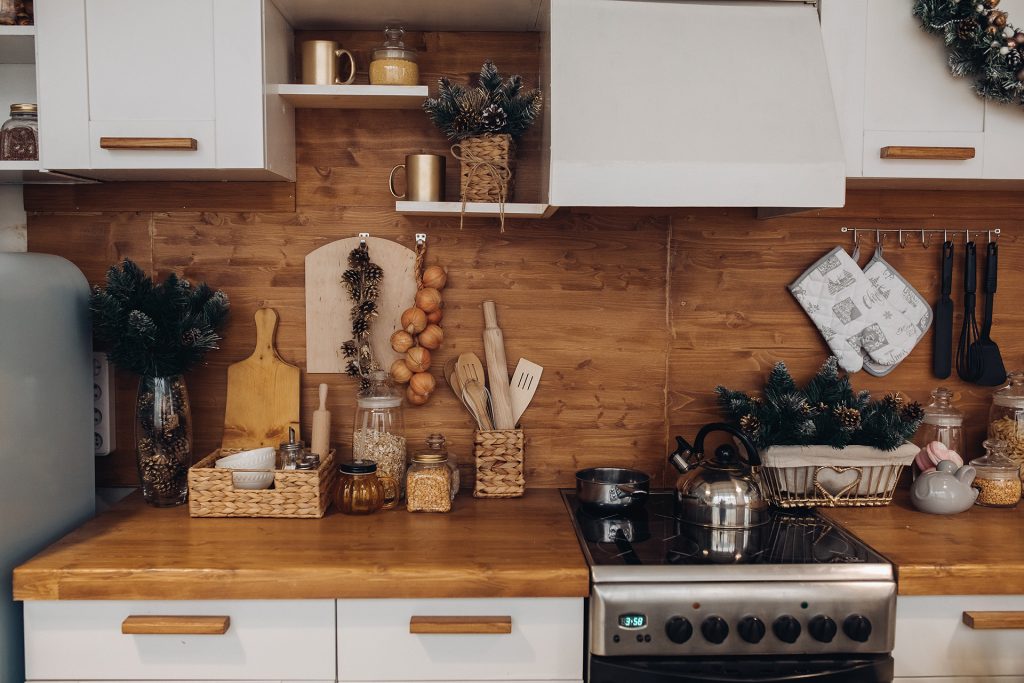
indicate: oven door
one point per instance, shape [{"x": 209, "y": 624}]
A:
[{"x": 806, "y": 669}]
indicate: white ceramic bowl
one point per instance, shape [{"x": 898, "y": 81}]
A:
[{"x": 259, "y": 460}]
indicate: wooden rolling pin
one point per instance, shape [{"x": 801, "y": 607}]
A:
[
  {"x": 497, "y": 369},
  {"x": 321, "y": 442}
]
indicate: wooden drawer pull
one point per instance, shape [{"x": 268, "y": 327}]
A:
[
  {"x": 149, "y": 143},
  {"x": 930, "y": 153},
  {"x": 159, "y": 624},
  {"x": 994, "y": 620},
  {"x": 463, "y": 625}
]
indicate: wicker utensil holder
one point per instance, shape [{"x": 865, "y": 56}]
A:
[
  {"x": 488, "y": 168},
  {"x": 296, "y": 493},
  {"x": 499, "y": 463}
]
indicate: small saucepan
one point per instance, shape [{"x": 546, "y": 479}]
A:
[{"x": 611, "y": 489}]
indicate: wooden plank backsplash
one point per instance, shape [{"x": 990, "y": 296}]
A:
[{"x": 635, "y": 315}]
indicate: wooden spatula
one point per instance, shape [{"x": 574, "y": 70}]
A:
[
  {"x": 524, "y": 386},
  {"x": 263, "y": 393}
]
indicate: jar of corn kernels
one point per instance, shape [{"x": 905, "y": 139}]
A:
[{"x": 393, "y": 63}]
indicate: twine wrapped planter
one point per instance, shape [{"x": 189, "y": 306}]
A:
[
  {"x": 855, "y": 476},
  {"x": 499, "y": 464},
  {"x": 296, "y": 493},
  {"x": 488, "y": 167}
]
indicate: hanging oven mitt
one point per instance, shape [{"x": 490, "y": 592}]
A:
[
  {"x": 844, "y": 306},
  {"x": 899, "y": 299}
]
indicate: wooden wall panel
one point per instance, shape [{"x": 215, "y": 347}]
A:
[{"x": 635, "y": 315}]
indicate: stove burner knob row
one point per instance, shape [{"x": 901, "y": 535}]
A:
[
  {"x": 857, "y": 627},
  {"x": 822, "y": 628},
  {"x": 751, "y": 629},
  {"x": 678, "y": 630},
  {"x": 715, "y": 630},
  {"x": 786, "y": 628}
]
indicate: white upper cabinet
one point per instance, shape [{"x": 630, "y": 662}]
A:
[{"x": 156, "y": 90}]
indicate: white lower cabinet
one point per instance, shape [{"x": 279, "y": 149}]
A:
[
  {"x": 933, "y": 645},
  {"x": 544, "y": 642}
]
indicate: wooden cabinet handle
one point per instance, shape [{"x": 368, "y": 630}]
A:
[
  {"x": 463, "y": 625},
  {"x": 994, "y": 620},
  {"x": 160, "y": 624},
  {"x": 930, "y": 153},
  {"x": 149, "y": 143}
]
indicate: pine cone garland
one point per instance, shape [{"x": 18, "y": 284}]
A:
[
  {"x": 750, "y": 424},
  {"x": 848, "y": 418}
]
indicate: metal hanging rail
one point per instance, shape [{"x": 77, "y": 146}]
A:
[{"x": 880, "y": 233}]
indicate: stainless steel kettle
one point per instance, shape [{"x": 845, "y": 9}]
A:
[{"x": 720, "y": 492}]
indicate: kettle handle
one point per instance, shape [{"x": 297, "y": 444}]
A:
[{"x": 752, "y": 459}]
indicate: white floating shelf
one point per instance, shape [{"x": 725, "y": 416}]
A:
[
  {"x": 17, "y": 44},
  {"x": 475, "y": 209},
  {"x": 353, "y": 96}
]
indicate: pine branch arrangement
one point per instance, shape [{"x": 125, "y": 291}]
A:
[
  {"x": 156, "y": 330},
  {"x": 494, "y": 106},
  {"x": 362, "y": 279},
  {"x": 982, "y": 44},
  {"x": 826, "y": 411}
]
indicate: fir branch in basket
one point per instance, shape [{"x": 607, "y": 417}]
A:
[
  {"x": 496, "y": 106},
  {"x": 826, "y": 411}
]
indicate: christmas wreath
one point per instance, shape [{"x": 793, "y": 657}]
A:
[{"x": 982, "y": 43}]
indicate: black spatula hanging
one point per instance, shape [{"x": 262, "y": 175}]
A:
[
  {"x": 985, "y": 352},
  {"x": 966, "y": 362},
  {"x": 942, "y": 353}
]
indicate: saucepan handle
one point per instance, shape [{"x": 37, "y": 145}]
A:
[{"x": 623, "y": 490}]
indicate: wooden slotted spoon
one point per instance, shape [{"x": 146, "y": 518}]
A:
[{"x": 451, "y": 375}]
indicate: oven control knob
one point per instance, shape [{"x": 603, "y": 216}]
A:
[
  {"x": 679, "y": 629},
  {"x": 715, "y": 630},
  {"x": 857, "y": 627},
  {"x": 786, "y": 628},
  {"x": 751, "y": 629},
  {"x": 822, "y": 628}
]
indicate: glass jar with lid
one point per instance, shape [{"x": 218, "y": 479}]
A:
[
  {"x": 362, "y": 491},
  {"x": 379, "y": 430},
  {"x": 1006, "y": 418},
  {"x": 393, "y": 63},
  {"x": 19, "y": 136},
  {"x": 436, "y": 444},
  {"x": 998, "y": 476},
  {"x": 428, "y": 486},
  {"x": 942, "y": 422}
]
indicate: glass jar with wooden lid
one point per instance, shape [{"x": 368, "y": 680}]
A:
[{"x": 393, "y": 63}]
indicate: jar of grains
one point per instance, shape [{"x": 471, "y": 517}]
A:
[
  {"x": 1006, "y": 418},
  {"x": 942, "y": 422},
  {"x": 393, "y": 63},
  {"x": 436, "y": 444},
  {"x": 379, "y": 430},
  {"x": 998, "y": 476},
  {"x": 428, "y": 486},
  {"x": 19, "y": 136}
]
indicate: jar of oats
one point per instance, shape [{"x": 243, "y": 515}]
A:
[
  {"x": 998, "y": 477},
  {"x": 379, "y": 431},
  {"x": 1006, "y": 418},
  {"x": 428, "y": 486},
  {"x": 393, "y": 63}
]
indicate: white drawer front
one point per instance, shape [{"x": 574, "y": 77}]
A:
[
  {"x": 203, "y": 156},
  {"x": 876, "y": 167},
  {"x": 546, "y": 642},
  {"x": 932, "y": 640},
  {"x": 266, "y": 640}
]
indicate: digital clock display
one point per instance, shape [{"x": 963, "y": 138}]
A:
[{"x": 633, "y": 621}]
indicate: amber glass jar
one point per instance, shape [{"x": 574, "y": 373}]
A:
[{"x": 361, "y": 491}]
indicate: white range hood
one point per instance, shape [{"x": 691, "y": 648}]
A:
[{"x": 690, "y": 103}]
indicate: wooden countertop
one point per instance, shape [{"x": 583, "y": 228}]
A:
[
  {"x": 978, "y": 552},
  {"x": 521, "y": 547}
]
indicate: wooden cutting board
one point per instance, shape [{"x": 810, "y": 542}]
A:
[
  {"x": 328, "y": 305},
  {"x": 263, "y": 393}
]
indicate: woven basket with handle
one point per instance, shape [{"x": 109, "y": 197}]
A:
[
  {"x": 499, "y": 463},
  {"x": 488, "y": 168}
]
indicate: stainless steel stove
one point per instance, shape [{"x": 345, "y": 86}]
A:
[{"x": 794, "y": 599}]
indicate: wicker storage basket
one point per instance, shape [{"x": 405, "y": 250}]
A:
[
  {"x": 296, "y": 493},
  {"x": 499, "y": 464},
  {"x": 488, "y": 162}
]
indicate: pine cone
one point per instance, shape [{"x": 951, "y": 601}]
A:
[
  {"x": 1014, "y": 59},
  {"x": 757, "y": 400},
  {"x": 189, "y": 336},
  {"x": 913, "y": 412},
  {"x": 360, "y": 326},
  {"x": 893, "y": 401},
  {"x": 806, "y": 409},
  {"x": 466, "y": 123},
  {"x": 352, "y": 369},
  {"x": 368, "y": 307},
  {"x": 494, "y": 119},
  {"x": 359, "y": 256},
  {"x": 966, "y": 29},
  {"x": 848, "y": 418},
  {"x": 750, "y": 424},
  {"x": 372, "y": 292},
  {"x": 349, "y": 349},
  {"x": 373, "y": 272}
]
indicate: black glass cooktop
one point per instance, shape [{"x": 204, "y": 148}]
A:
[{"x": 651, "y": 536}]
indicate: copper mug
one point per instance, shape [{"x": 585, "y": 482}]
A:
[
  {"x": 321, "y": 63},
  {"x": 424, "y": 178}
]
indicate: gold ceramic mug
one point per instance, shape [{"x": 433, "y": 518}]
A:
[
  {"x": 321, "y": 63},
  {"x": 424, "y": 178}
]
